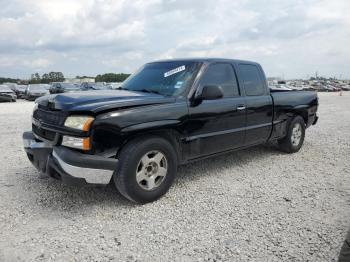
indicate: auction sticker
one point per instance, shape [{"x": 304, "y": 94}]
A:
[{"x": 174, "y": 71}]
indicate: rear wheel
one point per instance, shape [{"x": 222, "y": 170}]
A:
[
  {"x": 294, "y": 139},
  {"x": 147, "y": 168}
]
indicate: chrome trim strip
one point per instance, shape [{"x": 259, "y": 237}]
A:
[
  {"x": 91, "y": 175},
  {"x": 190, "y": 138}
]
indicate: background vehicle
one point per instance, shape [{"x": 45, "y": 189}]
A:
[
  {"x": 34, "y": 91},
  {"x": 115, "y": 85},
  {"x": 6, "y": 94},
  {"x": 169, "y": 113},
  {"x": 12, "y": 86},
  {"x": 46, "y": 86},
  {"x": 64, "y": 87},
  {"x": 95, "y": 86},
  {"x": 20, "y": 90},
  {"x": 344, "y": 255}
]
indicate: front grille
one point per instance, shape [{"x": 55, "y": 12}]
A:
[
  {"x": 46, "y": 134},
  {"x": 49, "y": 117}
]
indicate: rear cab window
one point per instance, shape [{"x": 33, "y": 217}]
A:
[{"x": 252, "y": 80}]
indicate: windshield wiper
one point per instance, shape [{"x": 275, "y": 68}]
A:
[{"x": 150, "y": 91}]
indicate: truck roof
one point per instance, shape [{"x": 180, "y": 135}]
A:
[{"x": 205, "y": 59}]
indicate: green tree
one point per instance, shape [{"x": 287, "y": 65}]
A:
[
  {"x": 45, "y": 79},
  {"x": 35, "y": 79},
  {"x": 111, "y": 77},
  {"x": 9, "y": 80}
]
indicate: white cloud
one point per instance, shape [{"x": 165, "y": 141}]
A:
[
  {"x": 293, "y": 37},
  {"x": 40, "y": 63}
]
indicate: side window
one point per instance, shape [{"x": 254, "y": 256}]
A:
[
  {"x": 222, "y": 75},
  {"x": 253, "y": 85}
]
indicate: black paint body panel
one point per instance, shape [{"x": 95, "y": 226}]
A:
[{"x": 197, "y": 129}]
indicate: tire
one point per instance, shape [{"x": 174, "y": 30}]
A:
[
  {"x": 294, "y": 140},
  {"x": 133, "y": 177},
  {"x": 344, "y": 255}
]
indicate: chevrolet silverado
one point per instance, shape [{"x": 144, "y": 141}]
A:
[{"x": 168, "y": 113}]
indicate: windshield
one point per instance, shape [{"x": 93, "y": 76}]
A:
[
  {"x": 37, "y": 88},
  {"x": 21, "y": 87},
  {"x": 165, "y": 78},
  {"x": 45, "y": 86},
  {"x": 6, "y": 89}
]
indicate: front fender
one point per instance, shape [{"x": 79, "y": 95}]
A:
[{"x": 151, "y": 125}]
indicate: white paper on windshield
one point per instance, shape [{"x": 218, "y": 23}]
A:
[{"x": 174, "y": 71}]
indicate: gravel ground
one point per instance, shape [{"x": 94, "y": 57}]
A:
[{"x": 254, "y": 205}]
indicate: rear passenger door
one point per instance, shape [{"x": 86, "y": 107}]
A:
[
  {"x": 217, "y": 125},
  {"x": 259, "y": 107}
]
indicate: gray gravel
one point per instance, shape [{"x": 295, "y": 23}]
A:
[{"x": 253, "y": 205}]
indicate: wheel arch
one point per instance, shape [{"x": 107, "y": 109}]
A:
[
  {"x": 118, "y": 138},
  {"x": 302, "y": 111},
  {"x": 170, "y": 135}
]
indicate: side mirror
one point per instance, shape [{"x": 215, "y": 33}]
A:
[{"x": 211, "y": 92}]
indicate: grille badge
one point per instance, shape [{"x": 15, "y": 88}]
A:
[{"x": 36, "y": 122}]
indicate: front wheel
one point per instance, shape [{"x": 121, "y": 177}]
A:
[
  {"x": 147, "y": 168},
  {"x": 294, "y": 139}
]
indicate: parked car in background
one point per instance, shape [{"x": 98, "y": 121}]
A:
[
  {"x": 6, "y": 94},
  {"x": 95, "y": 86},
  {"x": 279, "y": 88},
  {"x": 46, "y": 86},
  {"x": 115, "y": 85},
  {"x": 12, "y": 86},
  {"x": 57, "y": 88},
  {"x": 20, "y": 90},
  {"x": 34, "y": 91}
]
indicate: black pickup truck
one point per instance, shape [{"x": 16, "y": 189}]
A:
[{"x": 168, "y": 113}]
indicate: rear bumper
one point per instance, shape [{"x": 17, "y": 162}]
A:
[{"x": 68, "y": 165}]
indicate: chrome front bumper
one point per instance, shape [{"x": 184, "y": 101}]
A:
[{"x": 68, "y": 165}]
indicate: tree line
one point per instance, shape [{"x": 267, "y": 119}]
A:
[
  {"x": 59, "y": 77},
  {"x": 9, "y": 80},
  {"x": 46, "y": 78},
  {"x": 111, "y": 77}
]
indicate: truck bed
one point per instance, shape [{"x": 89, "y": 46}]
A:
[{"x": 289, "y": 102}]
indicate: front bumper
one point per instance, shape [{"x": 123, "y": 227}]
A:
[
  {"x": 7, "y": 98},
  {"x": 34, "y": 96},
  {"x": 68, "y": 165}
]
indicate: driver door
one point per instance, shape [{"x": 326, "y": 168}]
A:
[{"x": 217, "y": 125}]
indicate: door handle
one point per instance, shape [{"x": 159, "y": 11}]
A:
[{"x": 240, "y": 107}]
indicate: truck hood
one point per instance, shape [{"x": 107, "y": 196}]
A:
[{"x": 102, "y": 100}]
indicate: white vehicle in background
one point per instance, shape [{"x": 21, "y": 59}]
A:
[
  {"x": 34, "y": 91},
  {"x": 115, "y": 85},
  {"x": 6, "y": 94}
]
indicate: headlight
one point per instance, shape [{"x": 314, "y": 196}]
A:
[
  {"x": 79, "y": 122},
  {"x": 82, "y": 143}
]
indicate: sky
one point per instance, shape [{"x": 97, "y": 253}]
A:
[{"x": 289, "y": 38}]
